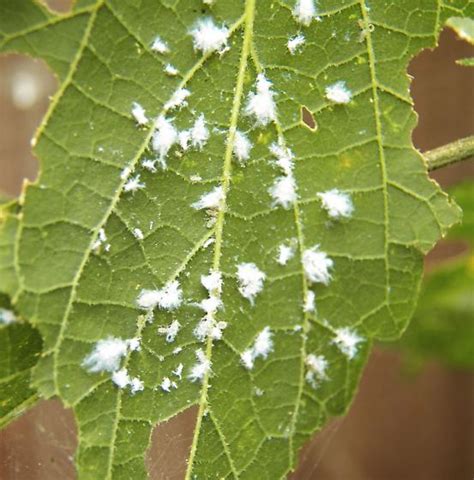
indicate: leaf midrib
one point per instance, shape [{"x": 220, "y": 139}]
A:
[{"x": 249, "y": 17}]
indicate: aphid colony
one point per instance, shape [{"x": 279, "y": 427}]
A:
[{"x": 260, "y": 105}]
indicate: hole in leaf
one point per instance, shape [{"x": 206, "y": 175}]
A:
[
  {"x": 308, "y": 119},
  {"x": 61, "y": 6}
]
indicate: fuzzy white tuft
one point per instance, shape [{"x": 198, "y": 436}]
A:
[
  {"x": 241, "y": 147},
  {"x": 295, "y": 43},
  {"x": 159, "y": 46},
  {"x": 134, "y": 344},
  {"x": 171, "y": 70},
  {"x": 7, "y": 317},
  {"x": 251, "y": 280},
  {"x": 209, "y": 327},
  {"x": 210, "y": 200},
  {"x": 285, "y": 254},
  {"x": 170, "y": 331},
  {"x": 208, "y": 37},
  {"x": 201, "y": 368},
  {"x": 310, "y": 302},
  {"x": 199, "y": 133},
  {"x": 149, "y": 164},
  {"x": 247, "y": 358},
  {"x": 106, "y": 355},
  {"x": 263, "y": 343},
  {"x": 261, "y": 104},
  {"x": 133, "y": 184},
  {"x": 338, "y": 204},
  {"x": 304, "y": 12},
  {"x": 169, "y": 297},
  {"x": 178, "y": 371},
  {"x": 121, "y": 378},
  {"x": 284, "y": 157},
  {"x": 338, "y": 93},
  {"x": 317, "y": 366},
  {"x": 138, "y": 234},
  {"x": 212, "y": 282},
  {"x": 164, "y": 138},
  {"x": 347, "y": 341},
  {"x": 178, "y": 99},
  {"x": 139, "y": 114},
  {"x": 262, "y": 346},
  {"x": 167, "y": 384},
  {"x": 136, "y": 385},
  {"x": 316, "y": 265},
  {"x": 283, "y": 191}
]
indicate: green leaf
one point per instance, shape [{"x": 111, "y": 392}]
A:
[
  {"x": 464, "y": 28},
  {"x": 20, "y": 345},
  {"x": 79, "y": 286},
  {"x": 444, "y": 320}
]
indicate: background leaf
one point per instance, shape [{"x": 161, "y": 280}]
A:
[
  {"x": 443, "y": 323},
  {"x": 250, "y": 423},
  {"x": 20, "y": 345}
]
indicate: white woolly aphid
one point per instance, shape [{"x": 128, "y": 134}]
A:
[
  {"x": 159, "y": 46},
  {"x": 251, "y": 280},
  {"x": 121, "y": 378},
  {"x": 149, "y": 164},
  {"x": 285, "y": 253},
  {"x": 209, "y": 326},
  {"x": 310, "y": 302},
  {"x": 171, "y": 331},
  {"x": 106, "y": 355},
  {"x": 316, "y": 368},
  {"x": 169, "y": 297},
  {"x": 136, "y": 385},
  {"x": 338, "y": 93},
  {"x": 199, "y": 133},
  {"x": 304, "y": 12},
  {"x": 212, "y": 282},
  {"x": 201, "y": 368},
  {"x": 178, "y": 99},
  {"x": 171, "y": 70},
  {"x": 261, "y": 104},
  {"x": 139, "y": 114},
  {"x": 284, "y": 157},
  {"x": 178, "y": 371},
  {"x": 261, "y": 347},
  {"x": 133, "y": 184},
  {"x": 316, "y": 265},
  {"x": 208, "y": 37},
  {"x": 283, "y": 191},
  {"x": 338, "y": 204},
  {"x": 295, "y": 43},
  {"x": 7, "y": 317},
  {"x": 347, "y": 341},
  {"x": 210, "y": 200},
  {"x": 164, "y": 137},
  {"x": 241, "y": 147},
  {"x": 167, "y": 384},
  {"x": 138, "y": 234}
]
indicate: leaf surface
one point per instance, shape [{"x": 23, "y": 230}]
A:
[
  {"x": 251, "y": 423},
  {"x": 20, "y": 345},
  {"x": 443, "y": 323}
]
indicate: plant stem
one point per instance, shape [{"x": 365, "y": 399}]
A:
[{"x": 452, "y": 152}]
